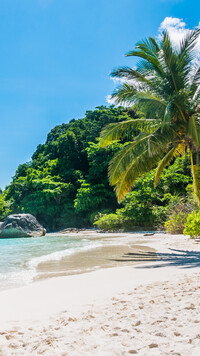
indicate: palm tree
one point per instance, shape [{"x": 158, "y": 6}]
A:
[{"x": 165, "y": 87}]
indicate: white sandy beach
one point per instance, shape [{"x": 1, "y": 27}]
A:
[{"x": 147, "y": 309}]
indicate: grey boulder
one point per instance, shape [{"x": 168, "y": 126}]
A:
[{"x": 21, "y": 225}]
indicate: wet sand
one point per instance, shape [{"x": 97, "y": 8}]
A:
[{"x": 100, "y": 257}]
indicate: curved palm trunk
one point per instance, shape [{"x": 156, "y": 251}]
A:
[{"x": 196, "y": 178}]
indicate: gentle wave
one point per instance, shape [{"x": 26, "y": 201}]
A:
[
  {"x": 16, "y": 279},
  {"x": 21, "y": 268},
  {"x": 58, "y": 255},
  {"x": 20, "y": 258}
]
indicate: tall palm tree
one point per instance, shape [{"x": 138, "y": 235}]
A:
[{"x": 165, "y": 86}]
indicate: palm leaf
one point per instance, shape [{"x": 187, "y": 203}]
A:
[
  {"x": 140, "y": 165},
  {"x": 174, "y": 152},
  {"x": 161, "y": 139},
  {"x": 125, "y": 157},
  {"x": 149, "y": 51},
  {"x": 196, "y": 178},
  {"x": 125, "y": 94},
  {"x": 129, "y": 74},
  {"x": 180, "y": 150},
  {"x": 195, "y": 81},
  {"x": 163, "y": 163},
  {"x": 120, "y": 130},
  {"x": 194, "y": 131},
  {"x": 189, "y": 42}
]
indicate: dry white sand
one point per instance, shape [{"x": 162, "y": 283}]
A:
[{"x": 149, "y": 309}]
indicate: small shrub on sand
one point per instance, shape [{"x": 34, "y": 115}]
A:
[
  {"x": 176, "y": 223},
  {"x": 192, "y": 226},
  {"x": 109, "y": 222}
]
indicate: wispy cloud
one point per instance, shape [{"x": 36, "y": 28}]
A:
[{"x": 110, "y": 100}]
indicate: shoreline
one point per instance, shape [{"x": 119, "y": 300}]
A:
[
  {"x": 66, "y": 315},
  {"x": 115, "y": 250}
]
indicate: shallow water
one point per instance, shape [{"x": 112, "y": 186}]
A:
[
  {"x": 19, "y": 257},
  {"x": 26, "y": 260}
]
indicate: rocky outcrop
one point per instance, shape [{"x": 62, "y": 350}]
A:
[{"x": 21, "y": 225}]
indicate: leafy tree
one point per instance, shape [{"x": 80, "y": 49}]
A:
[
  {"x": 165, "y": 87},
  {"x": 95, "y": 194},
  {"x": 66, "y": 180},
  {"x": 147, "y": 206}
]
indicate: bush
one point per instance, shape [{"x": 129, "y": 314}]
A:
[
  {"x": 179, "y": 210},
  {"x": 192, "y": 226},
  {"x": 110, "y": 222},
  {"x": 176, "y": 223}
]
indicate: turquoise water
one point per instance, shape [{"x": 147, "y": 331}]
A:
[{"x": 20, "y": 257}]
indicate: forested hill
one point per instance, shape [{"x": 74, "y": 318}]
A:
[{"x": 65, "y": 184}]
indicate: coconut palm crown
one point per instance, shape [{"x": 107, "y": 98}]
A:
[{"x": 165, "y": 87}]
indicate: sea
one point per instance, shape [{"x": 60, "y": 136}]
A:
[{"x": 19, "y": 257}]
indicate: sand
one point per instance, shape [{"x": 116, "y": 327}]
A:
[
  {"x": 146, "y": 309},
  {"x": 98, "y": 258}
]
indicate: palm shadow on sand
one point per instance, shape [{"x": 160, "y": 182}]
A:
[{"x": 180, "y": 258}]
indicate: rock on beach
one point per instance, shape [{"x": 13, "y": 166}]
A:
[{"x": 21, "y": 225}]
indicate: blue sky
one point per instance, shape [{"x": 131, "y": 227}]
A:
[{"x": 56, "y": 56}]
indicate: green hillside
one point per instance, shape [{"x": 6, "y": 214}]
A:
[
  {"x": 66, "y": 184},
  {"x": 66, "y": 180}
]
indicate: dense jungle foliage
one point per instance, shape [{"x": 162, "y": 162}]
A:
[{"x": 66, "y": 185}]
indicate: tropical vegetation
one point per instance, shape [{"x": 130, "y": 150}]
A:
[
  {"x": 65, "y": 184},
  {"x": 65, "y": 188},
  {"x": 192, "y": 225},
  {"x": 165, "y": 88},
  {"x": 150, "y": 148}
]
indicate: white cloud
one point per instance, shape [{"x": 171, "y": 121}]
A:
[
  {"x": 177, "y": 30},
  {"x": 172, "y": 22},
  {"x": 110, "y": 100}
]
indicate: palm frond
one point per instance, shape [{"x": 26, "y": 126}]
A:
[
  {"x": 167, "y": 115},
  {"x": 155, "y": 44},
  {"x": 162, "y": 164},
  {"x": 151, "y": 105},
  {"x": 180, "y": 150},
  {"x": 148, "y": 96},
  {"x": 125, "y": 157},
  {"x": 195, "y": 82},
  {"x": 189, "y": 42},
  {"x": 121, "y": 130},
  {"x": 161, "y": 139},
  {"x": 125, "y": 94},
  {"x": 140, "y": 165},
  {"x": 186, "y": 56},
  {"x": 129, "y": 74},
  {"x": 169, "y": 56},
  {"x": 174, "y": 152},
  {"x": 148, "y": 50},
  {"x": 196, "y": 182},
  {"x": 193, "y": 131},
  {"x": 196, "y": 179}
]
